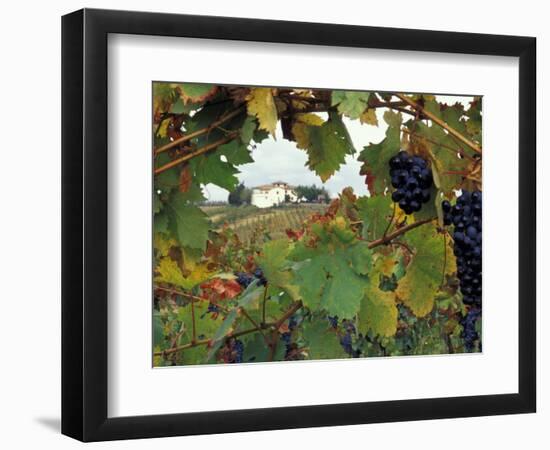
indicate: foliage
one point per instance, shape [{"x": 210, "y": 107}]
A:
[
  {"x": 240, "y": 195},
  {"x": 312, "y": 193},
  {"x": 355, "y": 278}
]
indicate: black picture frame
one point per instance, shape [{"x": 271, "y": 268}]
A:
[{"x": 84, "y": 224}]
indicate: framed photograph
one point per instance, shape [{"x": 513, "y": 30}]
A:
[{"x": 273, "y": 224}]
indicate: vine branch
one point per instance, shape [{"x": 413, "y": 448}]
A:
[
  {"x": 200, "y": 132},
  {"x": 197, "y": 152},
  {"x": 388, "y": 238},
  {"x": 475, "y": 147}
]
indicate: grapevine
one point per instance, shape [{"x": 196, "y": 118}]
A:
[{"x": 394, "y": 272}]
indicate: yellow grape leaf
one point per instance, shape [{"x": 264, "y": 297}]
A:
[
  {"x": 300, "y": 128},
  {"x": 385, "y": 264},
  {"x": 163, "y": 129},
  {"x": 262, "y": 105},
  {"x": 169, "y": 272},
  {"x": 369, "y": 117},
  {"x": 378, "y": 312},
  {"x": 424, "y": 274},
  {"x": 163, "y": 245}
]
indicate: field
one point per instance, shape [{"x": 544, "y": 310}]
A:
[{"x": 247, "y": 220}]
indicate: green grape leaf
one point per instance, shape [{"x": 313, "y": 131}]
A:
[
  {"x": 473, "y": 124},
  {"x": 375, "y": 212},
  {"x": 256, "y": 349},
  {"x": 350, "y": 103},
  {"x": 330, "y": 282},
  {"x": 187, "y": 222},
  {"x": 262, "y": 105},
  {"x": 160, "y": 223},
  {"x": 276, "y": 267},
  {"x": 157, "y": 203},
  {"x": 169, "y": 179},
  {"x": 322, "y": 341},
  {"x": 248, "y": 129},
  {"x": 445, "y": 162},
  {"x": 158, "y": 330},
  {"x": 235, "y": 153},
  {"x": 418, "y": 288},
  {"x": 375, "y": 157},
  {"x": 378, "y": 312},
  {"x": 210, "y": 168},
  {"x": 329, "y": 145}
]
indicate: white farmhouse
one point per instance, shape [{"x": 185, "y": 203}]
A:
[{"x": 273, "y": 194}]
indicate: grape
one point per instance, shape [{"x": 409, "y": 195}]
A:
[
  {"x": 244, "y": 279},
  {"x": 213, "y": 308},
  {"x": 469, "y": 333},
  {"x": 465, "y": 215},
  {"x": 412, "y": 180},
  {"x": 258, "y": 273},
  {"x": 232, "y": 351},
  {"x": 333, "y": 320}
]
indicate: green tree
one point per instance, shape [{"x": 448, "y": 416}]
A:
[
  {"x": 241, "y": 195},
  {"x": 312, "y": 193}
]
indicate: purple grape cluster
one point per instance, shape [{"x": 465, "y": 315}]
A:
[
  {"x": 244, "y": 279},
  {"x": 346, "y": 341},
  {"x": 465, "y": 216},
  {"x": 469, "y": 333},
  {"x": 412, "y": 179},
  {"x": 236, "y": 350}
]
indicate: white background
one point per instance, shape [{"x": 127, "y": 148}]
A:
[
  {"x": 135, "y": 389},
  {"x": 30, "y": 327}
]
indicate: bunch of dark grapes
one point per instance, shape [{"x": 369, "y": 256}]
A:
[
  {"x": 466, "y": 219},
  {"x": 469, "y": 333},
  {"x": 232, "y": 351},
  {"x": 412, "y": 179},
  {"x": 212, "y": 308},
  {"x": 244, "y": 279},
  {"x": 346, "y": 341},
  {"x": 290, "y": 347},
  {"x": 333, "y": 321},
  {"x": 465, "y": 216},
  {"x": 258, "y": 273}
]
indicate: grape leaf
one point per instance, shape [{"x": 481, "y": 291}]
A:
[
  {"x": 160, "y": 223},
  {"x": 378, "y": 311},
  {"x": 248, "y": 129},
  {"x": 328, "y": 146},
  {"x": 261, "y": 104},
  {"x": 329, "y": 281},
  {"x": 375, "y": 212},
  {"x": 196, "y": 92},
  {"x": 256, "y": 349},
  {"x": 210, "y": 168},
  {"x": 322, "y": 341},
  {"x": 301, "y": 126},
  {"x": 444, "y": 160},
  {"x": 276, "y": 267},
  {"x": 187, "y": 222},
  {"x": 375, "y": 157},
  {"x": 418, "y": 288},
  {"x": 369, "y": 117},
  {"x": 235, "y": 152},
  {"x": 169, "y": 272},
  {"x": 350, "y": 103}
]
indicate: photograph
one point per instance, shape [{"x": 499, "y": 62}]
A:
[{"x": 296, "y": 224}]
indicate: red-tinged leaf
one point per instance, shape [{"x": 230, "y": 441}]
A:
[
  {"x": 223, "y": 288},
  {"x": 294, "y": 234}
]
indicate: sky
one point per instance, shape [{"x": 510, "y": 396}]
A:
[{"x": 280, "y": 160}]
